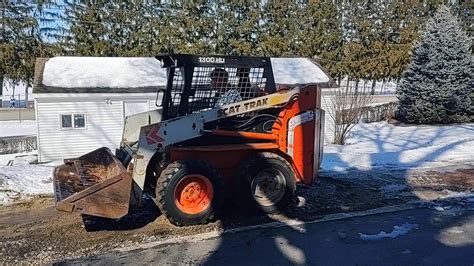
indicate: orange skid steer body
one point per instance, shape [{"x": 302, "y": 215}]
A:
[{"x": 191, "y": 153}]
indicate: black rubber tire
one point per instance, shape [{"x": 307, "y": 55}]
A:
[
  {"x": 153, "y": 171},
  {"x": 248, "y": 172},
  {"x": 170, "y": 178}
]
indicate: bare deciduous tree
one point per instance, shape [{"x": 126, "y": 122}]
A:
[{"x": 346, "y": 109}]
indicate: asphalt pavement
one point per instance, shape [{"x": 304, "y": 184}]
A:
[{"x": 440, "y": 235}]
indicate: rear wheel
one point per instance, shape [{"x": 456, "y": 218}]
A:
[
  {"x": 267, "y": 183},
  {"x": 189, "y": 192}
]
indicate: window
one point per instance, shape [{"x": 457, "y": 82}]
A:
[
  {"x": 66, "y": 121},
  {"x": 79, "y": 121},
  {"x": 73, "y": 121}
]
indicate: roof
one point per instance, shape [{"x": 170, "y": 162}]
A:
[
  {"x": 142, "y": 74},
  {"x": 99, "y": 74}
]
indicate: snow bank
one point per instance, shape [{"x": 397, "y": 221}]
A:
[
  {"x": 134, "y": 72},
  {"x": 19, "y": 158},
  {"x": 381, "y": 145},
  {"x": 17, "y": 128},
  {"x": 396, "y": 232},
  {"x": 22, "y": 181}
]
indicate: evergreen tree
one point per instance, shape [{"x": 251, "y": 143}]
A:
[
  {"x": 436, "y": 86},
  {"x": 156, "y": 28},
  {"x": 321, "y": 35},
  {"x": 88, "y": 28},
  {"x": 128, "y": 22},
  {"x": 281, "y": 29},
  {"x": 361, "y": 23},
  {"x": 237, "y": 27},
  {"x": 23, "y": 25},
  {"x": 118, "y": 28},
  {"x": 401, "y": 26},
  {"x": 190, "y": 27}
]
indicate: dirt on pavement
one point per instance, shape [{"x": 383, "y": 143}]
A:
[{"x": 34, "y": 232}]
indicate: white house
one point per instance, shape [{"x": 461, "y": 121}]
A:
[{"x": 81, "y": 102}]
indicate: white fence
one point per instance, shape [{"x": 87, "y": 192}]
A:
[
  {"x": 17, "y": 101},
  {"x": 380, "y": 88}
]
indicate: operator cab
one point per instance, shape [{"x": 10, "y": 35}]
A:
[{"x": 197, "y": 83}]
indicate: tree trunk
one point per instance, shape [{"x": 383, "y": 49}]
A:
[
  {"x": 372, "y": 90},
  {"x": 347, "y": 85},
  {"x": 26, "y": 96},
  {"x": 1, "y": 90},
  {"x": 381, "y": 87}
]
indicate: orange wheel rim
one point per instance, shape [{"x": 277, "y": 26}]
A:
[{"x": 193, "y": 194}]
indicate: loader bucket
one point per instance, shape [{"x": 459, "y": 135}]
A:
[{"x": 94, "y": 184}]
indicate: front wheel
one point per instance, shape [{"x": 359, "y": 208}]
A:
[
  {"x": 266, "y": 183},
  {"x": 189, "y": 192}
]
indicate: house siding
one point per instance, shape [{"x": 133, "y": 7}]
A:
[
  {"x": 104, "y": 122},
  {"x": 328, "y": 121},
  {"x": 103, "y": 128},
  {"x": 152, "y": 104}
]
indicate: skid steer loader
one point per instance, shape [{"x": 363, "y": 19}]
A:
[{"x": 222, "y": 130}]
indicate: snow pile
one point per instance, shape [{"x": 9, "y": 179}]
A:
[
  {"x": 398, "y": 230},
  {"x": 382, "y": 145},
  {"x": 19, "y": 158},
  {"x": 447, "y": 194},
  {"x": 22, "y": 181},
  {"x": 17, "y": 128}
]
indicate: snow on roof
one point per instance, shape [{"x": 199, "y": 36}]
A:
[
  {"x": 293, "y": 71},
  {"x": 137, "y": 72},
  {"x": 106, "y": 72}
]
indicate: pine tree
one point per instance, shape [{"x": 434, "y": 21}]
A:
[
  {"x": 237, "y": 27},
  {"x": 401, "y": 27},
  {"x": 321, "y": 35},
  {"x": 436, "y": 86},
  {"x": 127, "y": 21},
  {"x": 189, "y": 27},
  {"x": 360, "y": 22},
  {"x": 88, "y": 28},
  {"x": 281, "y": 30},
  {"x": 23, "y": 25},
  {"x": 155, "y": 28}
]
